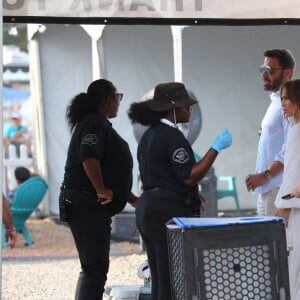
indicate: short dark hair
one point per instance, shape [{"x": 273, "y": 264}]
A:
[
  {"x": 22, "y": 174},
  {"x": 285, "y": 57}
]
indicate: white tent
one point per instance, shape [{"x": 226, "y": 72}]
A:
[
  {"x": 15, "y": 64},
  {"x": 216, "y": 52}
]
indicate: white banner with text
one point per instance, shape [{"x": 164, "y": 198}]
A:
[{"x": 195, "y": 9}]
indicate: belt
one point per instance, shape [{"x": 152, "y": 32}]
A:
[
  {"x": 63, "y": 187},
  {"x": 185, "y": 198},
  {"x": 163, "y": 189},
  {"x": 158, "y": 189}
]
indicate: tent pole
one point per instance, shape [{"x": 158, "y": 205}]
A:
[
  {"x": 177, "y": 51},
  {"x": 38, "y": 109},
  {"x": 95, "y": 32}
]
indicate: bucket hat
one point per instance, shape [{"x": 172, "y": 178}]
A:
[{"x": 170, "y": 95}]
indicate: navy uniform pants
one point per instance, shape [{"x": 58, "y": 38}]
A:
[
  {"x": 90, "y": 224},
  {"x": 153, "y": 210}
]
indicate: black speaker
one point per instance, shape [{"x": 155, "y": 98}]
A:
[{"x": 228, "y": 258}]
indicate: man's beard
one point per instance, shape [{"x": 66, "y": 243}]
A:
[{"x": 273, "y": 86}]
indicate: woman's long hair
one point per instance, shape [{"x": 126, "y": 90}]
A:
[
  {"x": 292, "y": 89},
  {"x": 87, "y": 103}
]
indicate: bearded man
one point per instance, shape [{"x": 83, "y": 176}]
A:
[{"x": 278, "y": 67}]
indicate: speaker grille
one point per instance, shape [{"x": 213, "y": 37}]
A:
[
  {"x": 237, "y": 273},
  {"x": 177, "y": 274}
]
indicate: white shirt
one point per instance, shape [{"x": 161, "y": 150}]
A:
[
  {"x": 168, "y": 122},
  {"x": 291, "y": 175},
  {"x": 272, "y": 142}
]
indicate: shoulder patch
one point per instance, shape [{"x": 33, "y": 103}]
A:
[
  {"x": 90, "y": 139},
  {"x": 180, "y": 155}
]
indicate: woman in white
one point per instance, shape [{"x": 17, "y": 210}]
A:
[{"x": 289, "y": 208}]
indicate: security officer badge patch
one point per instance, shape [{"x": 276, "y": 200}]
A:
[
  {"x": 180, "y": 155},
  {"x": 90, "y": 139}
]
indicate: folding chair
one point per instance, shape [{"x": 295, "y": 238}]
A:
[
  {"x": 229, "y": 190},
  {"x": 27, "y": 198}
]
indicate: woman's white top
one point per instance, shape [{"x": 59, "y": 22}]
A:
[{"x": 291, "y": 173}]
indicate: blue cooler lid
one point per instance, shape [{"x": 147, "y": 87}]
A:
[{"x": 213, "y": 222}]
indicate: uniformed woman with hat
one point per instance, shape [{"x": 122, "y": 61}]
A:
[{"x": 169, "y": 174}]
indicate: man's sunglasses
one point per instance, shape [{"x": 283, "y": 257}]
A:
[{"x": 269, "y": 70}]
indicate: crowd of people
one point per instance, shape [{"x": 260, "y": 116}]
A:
[{"x": 97, "y": 180}]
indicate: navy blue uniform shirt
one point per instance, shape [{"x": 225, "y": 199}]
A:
[
  {"x": 166, "y": 159},
  {"x": 94, "y": 137}
]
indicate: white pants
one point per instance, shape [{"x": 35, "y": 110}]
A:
[
  {"x": 266, "y": 203},
  {"x": 293, "y": 243}
]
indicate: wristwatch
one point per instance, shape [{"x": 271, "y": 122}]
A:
[{"x": 267, "y": 173}]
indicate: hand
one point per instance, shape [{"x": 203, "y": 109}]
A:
[
  {"x": 223, "y": 141},
  {"x": 132, "y": 200},
  {"x": 19, "y": 136},
  {"x": 105, "y": 197},
  {"x": 255, "y": 180},
  {"x": 11, "y": 236},
  {"x": 296, "y": 191},
  {"x": 284, "y": 213},
  {"x": 203, "y": 202}
]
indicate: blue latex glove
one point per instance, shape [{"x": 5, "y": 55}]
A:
[{"x": 223, "y": 140}]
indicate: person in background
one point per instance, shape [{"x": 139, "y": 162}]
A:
[
  {"x": 21, "y": 175},
  {"x": 278, "y": 68},
  {"x": 17, "y": 134},
  {"x": 97, "y": 182},
  {"x": 169, "y": 174},
  {"x": 289, "y": 208},
  {"x": 10, "y": 231}
]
